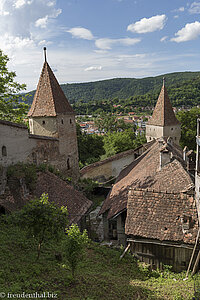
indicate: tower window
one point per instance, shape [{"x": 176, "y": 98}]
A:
[
  {"x": 62, "y": 121},
  {"x": 4, "y": 151},
  {"x": 43, "y": 122},
  {"x": 70, "y": 121},
  {"x": 68, "y": 164}
]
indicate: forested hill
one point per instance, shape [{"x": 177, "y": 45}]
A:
[{"x": 124, "y": 88}]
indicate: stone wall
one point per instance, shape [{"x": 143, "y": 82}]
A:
[
  {"x": 103, "y": 170},
  {"x": 17, "y": 145}
]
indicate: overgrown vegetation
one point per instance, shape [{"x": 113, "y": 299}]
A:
[
  {"x": 101, "y": 275},
  {"x": 42, "y": 220}
]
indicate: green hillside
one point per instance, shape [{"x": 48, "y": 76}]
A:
[{"x": 121, "y": 88}]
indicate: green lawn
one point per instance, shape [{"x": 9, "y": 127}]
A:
[{"x": 100, "y": 276}]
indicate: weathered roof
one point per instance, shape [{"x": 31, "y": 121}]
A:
[
  {"x": 145, "y": 173},
  {"x": 161, "y": 216},
  {"x": 49, "y": 99},
  {"x": 163, "y": 114},
  {"x": 63, "y": 194},
  {"x": 58, "y": 191}
]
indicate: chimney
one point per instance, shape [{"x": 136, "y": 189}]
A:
[{"x": 165, "y": 157}]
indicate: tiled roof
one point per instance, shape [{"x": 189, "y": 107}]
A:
[
  {"x": 145, "y": 173},
  {"x": 58, "y": 191},
  {"x": 49, "y": 99},
  {"x": 63, "y": 194},
  {"x": 161, "y": 216},
  {"x": 163, "y": 114}
]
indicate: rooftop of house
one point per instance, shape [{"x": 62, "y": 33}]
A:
[
  {"x": 49, "y": 99},
  {"x": 145, "y": 217},
  {"x": 145, "y": 172},
  {"x": 163, "y": 114},
  {"x": 58, "y": 191}
]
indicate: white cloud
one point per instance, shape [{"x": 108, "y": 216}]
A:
[
  {"x": 195, "y": 8},
  {"x": 148, "y": 25},
  {"x": 42, "y": 22},
  {"x": 93, "y": 68},
  {"x": 176, "y": 17},
  {"x": 106, "y": 43},
  {"x": 44, "y": 43},
  {"x": 191, "y": 31},
  {"x": 82, "y": 33},
  {"x": 163, "y": 39},
  {"x": 180, "y": 9}
]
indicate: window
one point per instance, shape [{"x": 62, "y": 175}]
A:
[
  {"x": 70, "y": 121},
  {"x": 43, "y": 122},
  {"x": 4, "y": 151},
  {"x": 62, "y": 121},
  {"x": 172, "y": 128}
]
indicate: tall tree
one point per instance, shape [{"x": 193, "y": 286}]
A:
[
  {"x": 188, "y": 120},
  {"x": 12, "y": 105}
]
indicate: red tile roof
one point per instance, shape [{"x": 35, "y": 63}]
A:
[
  {"x": 161, "y": 216},
  {"x": 49, "y": 99},
  {"x": 63, "y": 194},
  {"x": 163, "y": 114},
  {"x": 145, "y": 173}
]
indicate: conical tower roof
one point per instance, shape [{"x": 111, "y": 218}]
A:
[
  {"x": 49, "y": 99},
  {"x": 163, "y": 114}
]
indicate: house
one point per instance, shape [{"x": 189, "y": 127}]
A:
[{"x": 152, "y": 204}]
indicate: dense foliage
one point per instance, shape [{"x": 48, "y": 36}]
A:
[
  {"x": 42, "y": 220},
  {"x": 188, "y": 120},
  {"x": 13, "y": 107},
  {"x": 121, "y": 141},
  {"x": 90, "y": 147}
]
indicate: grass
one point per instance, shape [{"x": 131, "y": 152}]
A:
[{"x": 100, "y": 276}]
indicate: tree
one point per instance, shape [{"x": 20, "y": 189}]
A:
[
  {"x": 90, "y": 147},
  {"x": 12, "y": 104},
  {"x": 188, "y": 120},
  {"x": 43, "y": 220},
  {"x": 74, "y": 246},
  {"x": 117, "y": 142}
]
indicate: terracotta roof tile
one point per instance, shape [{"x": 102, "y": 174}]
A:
[
  {"x": 49, "y": 99},
  {"x": 166, "y": 213},
  {"x": 163, "y": 114}
]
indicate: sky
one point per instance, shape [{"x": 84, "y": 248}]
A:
[{"x": 90, "y": 40}]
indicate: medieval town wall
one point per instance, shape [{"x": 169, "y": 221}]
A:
[
  {"x": 111, "y": 167},
  {"x": 17, "y": 145}
]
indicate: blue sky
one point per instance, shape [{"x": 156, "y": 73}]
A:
[{"x": 90, "y": 40}]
